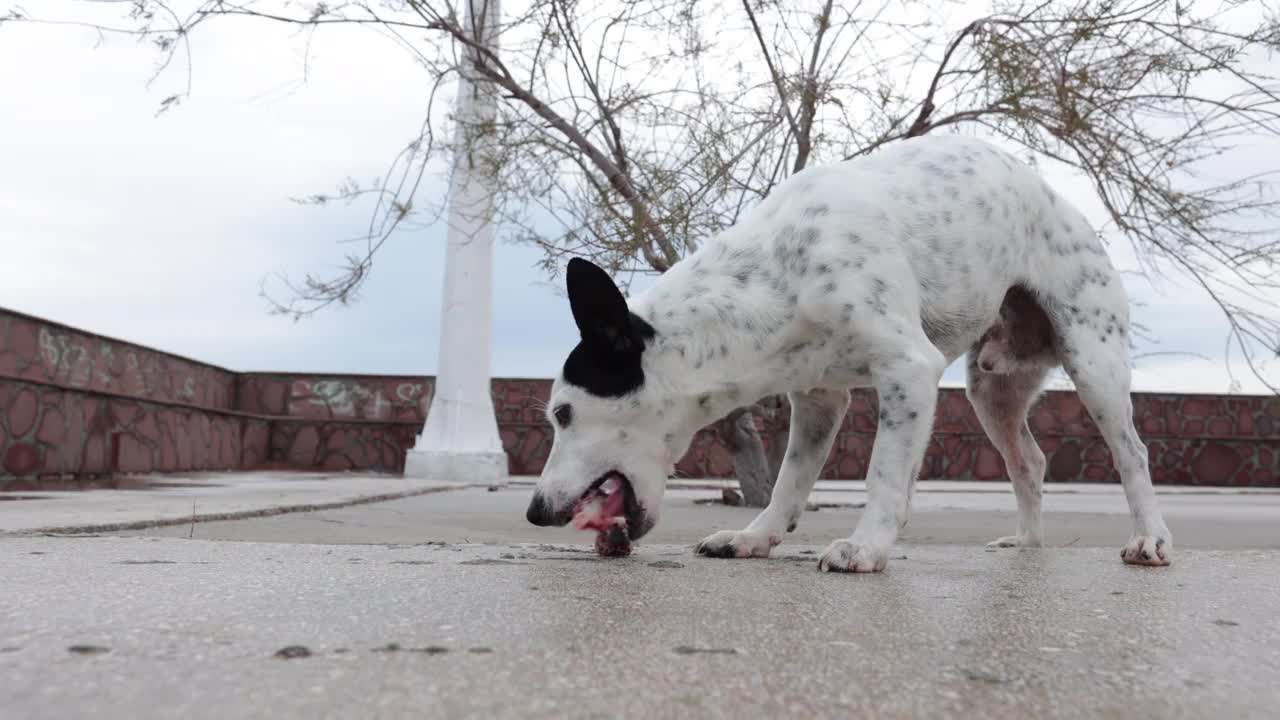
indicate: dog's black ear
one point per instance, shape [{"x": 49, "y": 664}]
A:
[{"x": 600, "y": 310}]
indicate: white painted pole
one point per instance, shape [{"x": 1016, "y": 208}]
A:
[{"x": 460, "y": 440}]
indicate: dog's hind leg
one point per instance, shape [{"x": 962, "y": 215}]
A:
[
  {"x": 906, "y": 375},
  {"x": 815, "y": 417},
  {"x": 1001, "y": 402},
  {"x": 1092, "y": 328}
]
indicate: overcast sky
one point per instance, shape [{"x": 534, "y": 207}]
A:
[{"x": 159, "y": 230}]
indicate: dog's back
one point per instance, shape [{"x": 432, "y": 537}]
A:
[{"x": 944, "y": 225}]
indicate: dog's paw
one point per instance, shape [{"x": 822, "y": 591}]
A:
[
  {"x": 738, "y": 544},
  {"x": 844, "y": 556},
  {"x": 1147, "y": 550},
  {"x": 1011, "y": 541}
]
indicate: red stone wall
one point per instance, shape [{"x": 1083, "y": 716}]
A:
[
  {"x": 41, "y": 351},
  {"x": 76, "y": 407},
  {"x": 336, "y": 397},
  {"x": 51, "y": 437},
  {"x": 1191, "y": 439},
  {"x": 339, "y": 445}
]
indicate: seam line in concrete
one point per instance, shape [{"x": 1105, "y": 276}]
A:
[{"x": 236, "y": 515}]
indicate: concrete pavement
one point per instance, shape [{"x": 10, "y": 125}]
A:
[
  {"x": 172, "y": 628},
  {"x": 449, "y": 605},
  {"x": 969, "y": 514},
  {"x": 181, "y": 499}
]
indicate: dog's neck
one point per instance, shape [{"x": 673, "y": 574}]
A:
[{"x": 718, "y": 332}]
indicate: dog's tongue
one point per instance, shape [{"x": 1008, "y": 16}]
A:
[
  {"x": 598, "y": 511},
  {"x": 615, "y": 499},
  {"x": 605, "y": 512}
]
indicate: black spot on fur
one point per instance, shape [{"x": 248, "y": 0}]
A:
[
  {"x": 984, "y": 207},
  {"x": 876, "y": 300},
  {"x": 604, "y": 372},
  {"x": 606, "y": 362},
  {"x": 716, "y": 551}
]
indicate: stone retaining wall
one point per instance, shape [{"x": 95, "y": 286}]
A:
[{"x": 78, "y": 408}]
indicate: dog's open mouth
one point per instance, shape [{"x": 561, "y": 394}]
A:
[{"x": 610, "y": 508}]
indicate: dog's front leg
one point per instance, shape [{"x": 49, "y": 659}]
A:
[
  {"x": 815, "y": 417},
  {"x": 907, "y": 389}
]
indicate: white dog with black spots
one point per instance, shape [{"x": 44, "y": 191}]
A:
[{"x": 874, "y": 272}]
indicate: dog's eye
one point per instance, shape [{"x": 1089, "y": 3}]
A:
[{"x": 564, "y": 415}]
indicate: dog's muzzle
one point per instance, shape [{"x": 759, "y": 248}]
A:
[{"x": 541, "y": 513}]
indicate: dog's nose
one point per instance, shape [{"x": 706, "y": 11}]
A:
[
  {"x": 987, "y": 365},
  {"x": 540, "y": 512}
]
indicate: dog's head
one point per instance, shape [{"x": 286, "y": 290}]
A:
[{"x": 611, "y": 422}]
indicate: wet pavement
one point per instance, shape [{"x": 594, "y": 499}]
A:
[
  {"x": 151, "y": 500},
  {"x": 449, "y": 605},
  {"x": 1082, "y": 516},
  {"x": 161, "y": 627}
]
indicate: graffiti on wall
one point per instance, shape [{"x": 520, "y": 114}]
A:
[
  {"x": 38, "y": 351},
  {"x": 358, "y": 398},
  {"x": 71, "y": 361}
]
